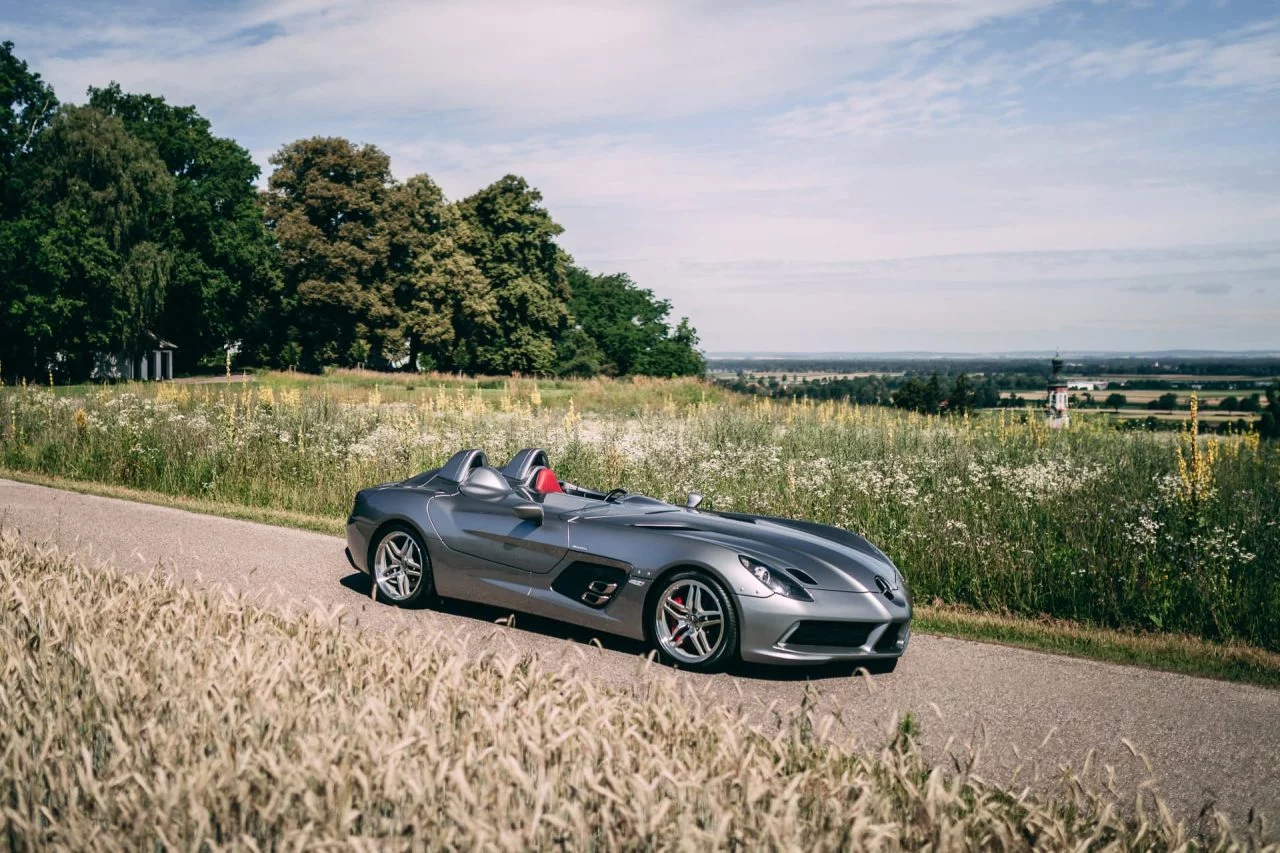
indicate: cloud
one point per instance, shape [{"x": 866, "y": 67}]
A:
[
  {"x": 517, "y": 63},
  {"x": 946, "y": 85},
  {"x": 868, "y": 175},
  {"x": 1217, "y": 289}
]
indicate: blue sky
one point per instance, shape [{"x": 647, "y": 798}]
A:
[{"x": 801, "y": 176}]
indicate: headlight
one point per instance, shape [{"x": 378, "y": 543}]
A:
[{"x": 775, "y": 580}]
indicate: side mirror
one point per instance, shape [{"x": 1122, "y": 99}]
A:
[
  {"x": 695, "y": 498},
  {"x": 528, "y": 512}
]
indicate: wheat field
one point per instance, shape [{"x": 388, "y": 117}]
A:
[{"x": 144, "y": 715}]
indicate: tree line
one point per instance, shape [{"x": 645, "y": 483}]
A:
[
  {"x": 126, "y": 217},
  {"x": 935, "y": 395}
]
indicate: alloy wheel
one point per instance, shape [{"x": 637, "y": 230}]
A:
[
  {"x": 397, "y": 566},
  {"x": 689, "y": 621}
]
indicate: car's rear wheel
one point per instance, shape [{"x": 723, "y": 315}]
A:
[
  {"x": 401, "y": 567},
  {"x": 692, "y": 623}
]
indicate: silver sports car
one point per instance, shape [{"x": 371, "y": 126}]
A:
[{"x": 703, "y": 588}]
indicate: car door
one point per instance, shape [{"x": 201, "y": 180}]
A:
[{"x": 488, "y": 529}]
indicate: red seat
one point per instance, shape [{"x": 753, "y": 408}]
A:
[{"x": 545, "y": 481}]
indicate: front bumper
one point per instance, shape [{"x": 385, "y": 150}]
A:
[{"x": 835, "y": 626}]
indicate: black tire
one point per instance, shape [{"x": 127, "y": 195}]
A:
[
  {"x": 387, "y": 589},
  {"x": 725, "y": 651}
]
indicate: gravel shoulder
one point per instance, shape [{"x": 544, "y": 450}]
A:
[{"x": 1207, "y": 741}]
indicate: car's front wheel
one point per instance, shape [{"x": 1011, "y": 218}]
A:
[
  {"x": 693, "y": 624},
  {"x": 401, "y": 567}
]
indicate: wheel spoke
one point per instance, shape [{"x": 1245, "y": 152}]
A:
[{"x": 674, "y": 610}]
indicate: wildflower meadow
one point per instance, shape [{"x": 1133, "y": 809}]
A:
[{"x": 1123, "y": 529}]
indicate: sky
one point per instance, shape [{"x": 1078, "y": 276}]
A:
[{"x": 865, "y": 175}]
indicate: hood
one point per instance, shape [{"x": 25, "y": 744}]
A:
[{"x": 832, "y": 559}]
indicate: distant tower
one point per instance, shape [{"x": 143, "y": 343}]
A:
[{"x": 1055, "y": 404}]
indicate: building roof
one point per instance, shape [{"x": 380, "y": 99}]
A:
[{"x": 160, "y": 342}]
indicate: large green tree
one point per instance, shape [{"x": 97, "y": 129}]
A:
[
  {"x": 326, "y": 205},
  {"x": 675, "y": 355},
  {"x": 222, "y": 281},
  {"x": 628, "y": 325},
  {"x": 445, "y": 306},
  {"x": 511, "y": 237},
  {"x": 27, "y": 106},
  {"x": 92, "y": 275}
]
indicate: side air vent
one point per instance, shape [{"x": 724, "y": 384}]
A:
[
  {"x": 803, "y": 577},
  {"x": 591, "y": 583}
]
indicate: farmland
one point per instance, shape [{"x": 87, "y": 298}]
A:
[{"x": 1132, "y": 530}]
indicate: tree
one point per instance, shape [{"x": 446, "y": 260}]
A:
[
  {"x": 27, "y": 106},
  {"x": 93, "y": 275},
  {"x": 932, "y": 399},
  {"x": 675, "y": 355},
  {"x": 988, "y": 394},
  {"x": 222, "y": 281},
  {"x": 1229, "y": 404},
  {"x": 511, "y": 238},
  {"x": 628, "y": 326},
  {"x": 325, "y": 205},
  {"x": 1252, "y": 403},
  {"x": 578, "y": 354},
  {"x": 446, "y": 305},
  {"x": 924, "y": 397},
  {"x": 910, "y": 395},
  {"x": 1116, "y": 400},
  {"x": 962, "y": 398},
  {"x": 1269, "y": 425},
  {"x": 1167, "y": 401}
]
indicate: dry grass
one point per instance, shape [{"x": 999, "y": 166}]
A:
[{"x": 140, "y": 715}]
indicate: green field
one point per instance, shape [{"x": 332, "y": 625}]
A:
[{"x": 1115, "y": 529}]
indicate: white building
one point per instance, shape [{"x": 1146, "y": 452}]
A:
[{"x": 151, "y": 362}]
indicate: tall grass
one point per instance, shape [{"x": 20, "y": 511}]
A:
[
  {"x": 143, "y": 715},
  {"x": 1118, "y": 529}
]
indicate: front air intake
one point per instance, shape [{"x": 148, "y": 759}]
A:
[
  {"x": 843, "y": 635},
  {"x": 894, "y": 638}
]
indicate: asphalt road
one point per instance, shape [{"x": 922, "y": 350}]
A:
[{"x": 1207, "y": 741}]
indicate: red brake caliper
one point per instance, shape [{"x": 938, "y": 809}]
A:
[{"x": 675, "y": 637}]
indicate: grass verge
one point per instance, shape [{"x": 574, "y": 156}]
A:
[
  {"x": 226, "y": 509},
  {"x": 1167, "y": 652},
  {"x": 146, "y": 715}
]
